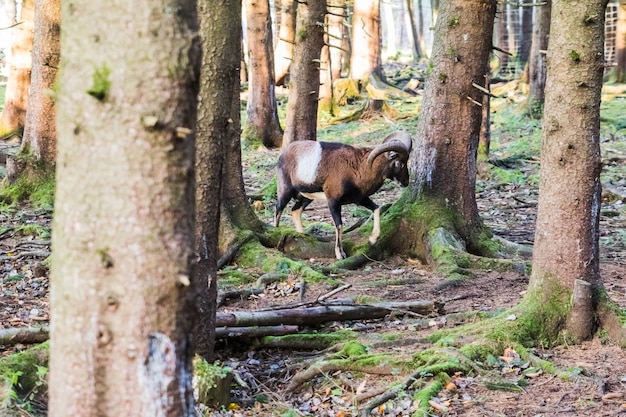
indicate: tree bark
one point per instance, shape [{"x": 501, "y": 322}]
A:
[
  {"x": 527, "y": 34},
  {"x": 122, "y": 293},
  {"x": 336, "y": 38},
  {"x": 620, "y": 44},
  {"x": 283, "y": 51},
  {"x": 220, "y": 28},
  {"x": 366, "y": 40},
  {"x": 301, "y": 119},
  {"x": 40, "y": 129},
  {"x": 537, "y": 65},
  {"x": 16, "y": 95},
  {"x": 443, "y": 167},
  {"x": 262, "y": 125},
  {"x": 567, "y": 231}
]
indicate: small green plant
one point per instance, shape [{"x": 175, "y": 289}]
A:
[
  {"x": 33, "y": 229},
  {"x": 100, "y": 83},
  {"x": 453, "y": 22},
  {"x": 574, "y": 55},
  {"x": 443, "y": 77}
]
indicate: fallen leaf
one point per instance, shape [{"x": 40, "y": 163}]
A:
[
  {"x": 612, "y": 396},
  {"x": 450, "y": 385},
  {"x": 442, "y": 408}
]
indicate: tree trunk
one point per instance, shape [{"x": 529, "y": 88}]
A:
[
  {"x": 366, "y": 48},
  {"x": 414, "y": 38},
  {"x": 537, "y": 66},
  {"x": 122, "y": 298},
  {"x": 389, "y": 39},
  {"x": 501, "y": 36},
  {"x": 567, "y": 230},
  {"x": 620, "y": 44},
  {"x": 336, "y": 13},
  {"x": 443, "y": 167},
  {"x": 221, "y": 37},
  {"x": 326, "y": 83},
  {"x": 40, "y": 129},
  {"x": 262, "y": 125},
  {"x": 16, "y": 95},
  {"x": 283, "y": 51},
  {"x": 527, "y": 34},
  {"x": 301, "y": 119}
]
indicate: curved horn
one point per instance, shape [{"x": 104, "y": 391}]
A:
[{"x": 400, "y": 142}]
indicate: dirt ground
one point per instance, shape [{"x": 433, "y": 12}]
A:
[
  {"x": 598, "y": 368},
  {"x": 507, "y": 387}
]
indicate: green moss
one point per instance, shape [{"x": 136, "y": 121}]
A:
[
  {"x": 352, "y": 349},
  {"x": 234, "y": 278},
  {"x": 590, "y": 19},
  {"x": 211, "y": 383},
  {"x": 100, "y": 82},
  {"x": 36, "y": 184},
  {"x": 424, "y": 395},
  {"x": 36, "y": 230},
  {"x": 443, "y": 77},
  {"x": 253, "y": 255},
  {"x": 575, "y": 56},
  {"x": 26, "y": 370},
  {"x": 303, "y": 34},
  {"x": 251, "y": 137},
  {"x": 453, "y": 21}
]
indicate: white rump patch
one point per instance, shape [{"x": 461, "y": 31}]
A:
[{"x": 308, "y": 163}]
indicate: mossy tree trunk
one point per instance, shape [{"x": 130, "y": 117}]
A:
[
  {"x": 39, "y": 138},
  {"x": 443, "y": 166},
  {"x": 283, "y": 52},
  {"x": 122, "y": 297},
  {"x": 16, "y": 96},
  {"x": 301, "y": 119},
  {"x": 566, "y": 250},
  {"x": 537, "y": 62},
  {"x": 262, "y": 125}
]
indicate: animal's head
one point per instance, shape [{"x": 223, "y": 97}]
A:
[{"x": 397, "y": 147}]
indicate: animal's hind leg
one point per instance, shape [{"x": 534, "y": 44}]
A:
[
  {"x": 335, "y": 212},
  {"x": 296, "y": 212}
]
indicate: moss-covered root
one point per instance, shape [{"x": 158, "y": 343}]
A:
[
  {"x": 612, "y": 319},
  {"x": 308, "y": 341},
  {"x": 253, "y": 254},
  {"x": 24, "y": 373},
  {"x": 423, "y": 396},
  {"x": 452, "y": 260}
]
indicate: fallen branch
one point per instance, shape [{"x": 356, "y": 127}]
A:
[
  {"x": 320, "y": 314},
  {"x": 224, "y": 296},
  {"x": 26, "y": 335},
  {"x": 253, "y": 332}
]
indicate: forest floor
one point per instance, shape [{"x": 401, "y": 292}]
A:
[{"x": 507, "y": 199}]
